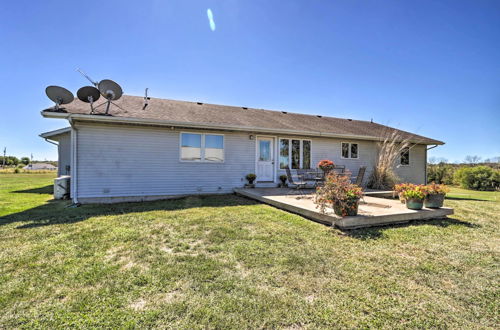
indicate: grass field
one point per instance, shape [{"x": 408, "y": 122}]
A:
[{"x": 227, "y": 262}]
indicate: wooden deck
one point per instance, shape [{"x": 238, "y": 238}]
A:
[{"x": 373, "y": 211}]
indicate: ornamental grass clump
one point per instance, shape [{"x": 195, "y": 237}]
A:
[
  {"x": 389, "y": 150},
  {"x": 339, "y": 193}
]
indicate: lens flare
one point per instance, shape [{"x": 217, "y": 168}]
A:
[{"x": 211, "y": 19}]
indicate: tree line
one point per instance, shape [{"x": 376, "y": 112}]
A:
[
  {"x": 13, "y": 161},
  {"x": 472, "y": 173}
]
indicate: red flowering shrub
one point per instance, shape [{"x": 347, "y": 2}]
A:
[
  {"x": 326, "y": 165},
  {"x": 339, "y": 193}
]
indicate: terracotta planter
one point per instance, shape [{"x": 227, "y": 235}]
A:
[
  {"x": 350, "y": 210},
  {"x": 434, "y": 201},
  {"x": 414, "y": 203}
]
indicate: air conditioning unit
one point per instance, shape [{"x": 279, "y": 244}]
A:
[{"x": 62, "y": 187}]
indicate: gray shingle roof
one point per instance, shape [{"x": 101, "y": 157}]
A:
[{"x": 211, "y": 114}]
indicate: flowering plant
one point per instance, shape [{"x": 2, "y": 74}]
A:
[
  {"x": 326, "y": 165},
  {"x": 399, "y": 188},
  {"x": 339, "y": 192},
  {"x": 437, "y": 189},
  {"x": 417, "y": 192}
]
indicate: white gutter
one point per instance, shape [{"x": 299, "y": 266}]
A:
[
  {"x": 49, "y": 141},
  {"x": 56, "y": 132},
  {"x": 152, "y": 122}
]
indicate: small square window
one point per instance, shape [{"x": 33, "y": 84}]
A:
[
  {"x": 198, "y": 147},
  {"x": 354, "y": 150},
  {"x": 345, "y": 150},
  {"x": 349, "y": 150},
  {"x": 191, "y": 147},
  {"x": 405, "y": 156}
]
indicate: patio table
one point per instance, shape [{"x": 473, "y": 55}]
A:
[{"x": 317, "y": 177}]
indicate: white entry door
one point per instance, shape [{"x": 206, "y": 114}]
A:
[{"x": 265, "y": 159}]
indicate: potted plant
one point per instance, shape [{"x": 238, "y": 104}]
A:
[
  {"x": 415, "y": 197},
  {"x": 326, "y": 166},
  {"x": 435, "y": 195},
  {"x": 283, "y": 179},
  {"x": 250, "y": 178},
  {"x": 339, "y": 193},
  {"x": 401, "y": 188}
]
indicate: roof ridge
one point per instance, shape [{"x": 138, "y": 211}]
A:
[{"x": 251, "y": 108}]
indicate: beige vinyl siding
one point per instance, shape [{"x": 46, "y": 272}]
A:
[
  {"x": 64, "y": 153},
  {"x": 128, "y": 161},
  {"x": 329, "y": 148},
  {"x": 415, "y": 171},
  {"x": 145, "y": 161}
]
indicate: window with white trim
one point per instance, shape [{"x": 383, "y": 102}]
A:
[
  {"x": 349, "y": 150},
  {"x": 295, "y": 153},
  {"x": 405, "y": 156},
  {"x": 196, "y": 147}
]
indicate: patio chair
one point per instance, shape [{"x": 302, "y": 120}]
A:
[
  {"x": 361, "y": 175},
  {"x": 296, "y": 185},
  {"x": 339, "y": 169}
]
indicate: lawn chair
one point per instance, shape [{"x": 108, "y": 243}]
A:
[
  {"x": 359, "y": 179},
  {"x": 361, "y": 175},
  {"x": 296, "y": 185}
]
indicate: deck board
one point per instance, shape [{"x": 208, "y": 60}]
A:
[{"x": 373, "y": 211}]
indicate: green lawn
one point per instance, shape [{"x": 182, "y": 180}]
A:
[{"x": 227, "y": 262}]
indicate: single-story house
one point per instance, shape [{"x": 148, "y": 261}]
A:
[
  {"x": 40, "y": 166},
  {"x": 171, "y": 148}
]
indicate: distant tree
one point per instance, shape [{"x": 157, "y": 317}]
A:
[
  {"x": 11, "y": 160},
  {"x": 437, "y": 160},
  {"x": 473, "y": 160},
  {"x": 25, "y": 160}
]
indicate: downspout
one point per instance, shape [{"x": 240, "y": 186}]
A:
[
  {"x": 74, "y": 160},
  {"x": 426, "y": 150}
]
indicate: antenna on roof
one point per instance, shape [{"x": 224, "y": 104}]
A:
[
  {"x": 59, "y": 95},
  {"x": 146, "y": 99},
  {"x": 88, "y": 78}
]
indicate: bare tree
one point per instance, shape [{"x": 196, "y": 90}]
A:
[
  {"x": 473, "y": 160},
  {"x": 432, "y": 160}
]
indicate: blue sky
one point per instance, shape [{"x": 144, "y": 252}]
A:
[{"x": 429, "y": 67}]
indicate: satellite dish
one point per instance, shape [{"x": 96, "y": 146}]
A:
[
  {"x": 110, "y": 90},
  {"x": 88, "y": 94},
  {"x": 59, "y": 95}
]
